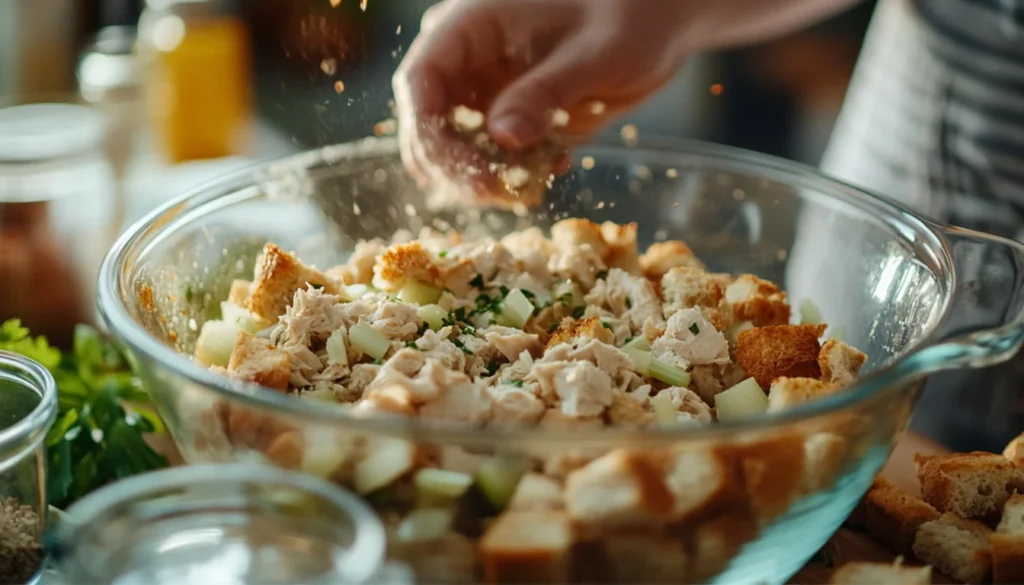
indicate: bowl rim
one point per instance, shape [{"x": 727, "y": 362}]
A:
[{"x": 894, "y": 377}]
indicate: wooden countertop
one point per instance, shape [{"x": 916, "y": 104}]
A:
[{"x": 850, "y": 545}]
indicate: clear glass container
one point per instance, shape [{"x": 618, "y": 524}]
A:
[
  {"x": 28, "y": 408},
  {"x": 226, "y": 524}
]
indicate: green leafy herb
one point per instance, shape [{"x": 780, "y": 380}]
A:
[
  {"x": 492, "y": 368},
  {"x": 411, "y": 345},
  {"x": 103, "y": 413},
  {"x": 189, "y": 293},
  {"x": 516, "y": 383},
  {"x": 378, "y": 362},
  {"x": 601, "y": 274},
  {"x": 316, "y": 286},
  {"x": 478, "y": 281},
  {"x": 629, "y": 303},
  {"x": 606, "y": 325},
  {"x": 442, "y": 254},
  {"x": 694, "y": 328},
  {"x": 578, "y": 312},
  {"x": 553, "y": 327},
  {"x": 527, "y": 294},
  {"x": 458, "y": 343}
]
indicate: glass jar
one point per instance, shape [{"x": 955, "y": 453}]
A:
[
  {"x": 28, "y": 408},
  {"x": 196, "y": 60},
  {"x": 58, "y": 213},
  {"x": 228, "y": 524}
]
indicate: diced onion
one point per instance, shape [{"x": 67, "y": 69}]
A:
[
  {"x": 569, "y": 292},
  {"x": 516, "y": 309},
  {"x": 325, "y": 451},
  {"x": 425, "y": 524},
  {"x": 216, "y": 342},
  {"x": 669, "y": 374},
  {"x": 809, "y": 313},
  {"x": 419, "y": 293},
  {"x": 526, "y": 358},
  {"x": 387, "y": 459},
  {"x": 245, "y": 319},
  {"x": 442, "y": 482},
  {"x": 665, "y": 412},
  {"x": 498, "y": 477},
  {"x": 337, "y": 351},
  {"x": 433, "y": 316},
  {"x": 368, "y": 340},
  {"x": 743, "y": 400}
]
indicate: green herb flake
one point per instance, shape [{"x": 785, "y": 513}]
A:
[
  {"x": 694, "y": 329},
  {"x": 516, "y": 383},
  {"x": 478, "y": 281},
  {"x": 578, "y": 312},
  {"x": 492, "y": 368},
  {"x": 442, "y": 254},
  {"x": 411, "y": 345},
  {"x": 628, "y": 339},
  {"x": 601, "y": 274},
  {"x": 629, "y": 303},
  {"x": 316, "y": 286},
  {"x": 378, "y": 362},
  {"x": 189, "y": 293},
  {"x": 528, "y": 294},
  {"x": 553, "y": 327},
  {"x": 606, "y": 325}
]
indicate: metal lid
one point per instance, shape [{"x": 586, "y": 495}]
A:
[
  {"x": 109, "y": 63},
  {"x": 39, "y": 132}
]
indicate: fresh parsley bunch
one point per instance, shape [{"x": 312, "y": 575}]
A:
[{"x": 96, "y": 438}]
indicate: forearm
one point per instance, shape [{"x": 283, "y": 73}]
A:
[{"x": 716, "y": 24}]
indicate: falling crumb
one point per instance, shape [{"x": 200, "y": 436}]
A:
[
  {"x": 466, "y": 119},
  {"x": 515, "y": 177},
  {"x": 398, "y": 30},
  {"x": 630, "y": 134},
  {"x": 671, "y": 173},
  {"x": 339, "y": 86},
  {"x": 385, "y": 127},
  {"x": 335, "y": 3},
  {"x": 597, "y": 108},
  {"x": 642, "y": 172},
  {"x": 781, "y": 255},
  {"x": 362, "y": 5},
  {"x": 410, "y": 210},
  {"x": 587, "y": 163},
  {"x": 559, "y": 118},
  {"x": 738, "y": 194},
  {"x": 329, "y": 66},
  {"x": 600, "y": 205},
  {"x": 717, "y": 89}
]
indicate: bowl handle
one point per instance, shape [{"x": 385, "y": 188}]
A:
[{"x": 984, "y": 325}]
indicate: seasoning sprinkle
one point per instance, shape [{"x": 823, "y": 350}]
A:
[{"x": 21, "y": 553}]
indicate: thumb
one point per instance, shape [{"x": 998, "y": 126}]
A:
[{"x": 520, "y": 115}]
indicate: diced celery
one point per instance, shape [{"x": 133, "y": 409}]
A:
[
  {"x": 516, "y": 309},
  {"x": 743, "y": 400},
  {"x": 387, "y": 459},
  {"x": 368, "y": 340},
  {"x": 498, "y": 477},
  {"x": 215, "y": 343},
  {"x": 433, "y": 316},
  {"x": 418, "y": 293},
  {"x": 809, "y": 313},
  {"x": 569, "y": 293},
  {"x": 669, "y": 374},
  {"x": 640, "y": 343},
  {"x": 441, "y": 482},
  {"x": 425, "y": 524},
  {"x": 665, "y": 412},
  {"x": 245, "y": 319},
  {"x": 337, "y": 350},
  {"x": 641, "y": 359}
]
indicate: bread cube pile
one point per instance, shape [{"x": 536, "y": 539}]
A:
[{"x": 967, "y": 522}]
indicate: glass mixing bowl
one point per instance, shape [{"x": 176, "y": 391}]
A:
[{"x": 905, "y": 291}]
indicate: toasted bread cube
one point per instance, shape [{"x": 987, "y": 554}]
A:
[
  {"x": 286, "y": 450},
  {"x": 576, "y": 232},
  {"x": 256, "y": 360},
  {"x": 777, "y": 351},
  {"x": 1007, "y": 557},
  {"x": 789, "y": 392},
  {"x": 1012, "y": 521},
  {"x": 661, "y": 257},
  {"x": 1014, "y": 451},
  {"x": 858, "y": 518},
  {"x": 881, "y": 574},
  {"x": 893, "y": 517},
  {"x": 537, "y": 492},
  {"x": 402, "y": 263},
  {"x": 698, "y": 481},
  {"x": 839, "y": 362},
  {"x": 970, "y": 485},
  {"x": 758, "y": 301},
  {"x": 278, "y": 276},
  {"x": 647, "y": 558},
  {"x": 717, "y": 541},
  {"x": 956, "y": 547},
  {"x": 239, "y": 292},
  {"x": 571, "y": 330},
  {"x": 823, "y": 453},
  {"x": 527, "y": 547},
  {"x": 619, "y": 489},
  {"x": 773, "y": 470},
  {"x": 622, "y": 252},
  {"x": 687, "y": 286}
]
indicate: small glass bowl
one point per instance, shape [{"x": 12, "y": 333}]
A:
[
  {"x": 28, "y": 408},
  {"x": 229, "y": 524}
]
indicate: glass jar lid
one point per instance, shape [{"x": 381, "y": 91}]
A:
[{"x": 39, "y": 132}]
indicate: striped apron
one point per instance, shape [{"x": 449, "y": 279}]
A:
[{"x": 934, "y": 118}]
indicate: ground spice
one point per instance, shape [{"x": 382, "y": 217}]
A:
[{"x": 21, "y": 552}]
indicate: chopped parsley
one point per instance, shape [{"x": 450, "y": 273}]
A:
[
  {"x": 602, "y": 274},
  {"x": 378, "y": 362},
  {"x": 316, "y": 286},
  {"x": 411, "y": 345},
  {"x": 628, "y": 339},
  {"x": 565, "y": 299},
  {"x": 492, "y": 368},
  {"x": 528, "y": 294},
  {"x": 504, "y": 291},
  {"x": 189, "y": 293},
  {"x": 516, "y": 383},
  {"x": 694, "y": 329},
  {"x": 553, "y": 327},
  {"x": 458, "y": 343},
  {"x": 629, "y": 303},
  {"x": 478, "y": 281},
  {"x": 442, "y": 254},
  {"x": 577, "y": 313},
  {"x": 606, "y": 325}
]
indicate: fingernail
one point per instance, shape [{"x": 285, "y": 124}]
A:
[{"x": 515, "y": 130}]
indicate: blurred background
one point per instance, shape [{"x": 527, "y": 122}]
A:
[{"x": 111, "y": 107}]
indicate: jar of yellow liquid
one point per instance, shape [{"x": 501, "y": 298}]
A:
[{"x": 198, "y": 80}]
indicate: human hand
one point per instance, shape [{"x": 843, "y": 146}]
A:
[{"x": 545, "y": 74}]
